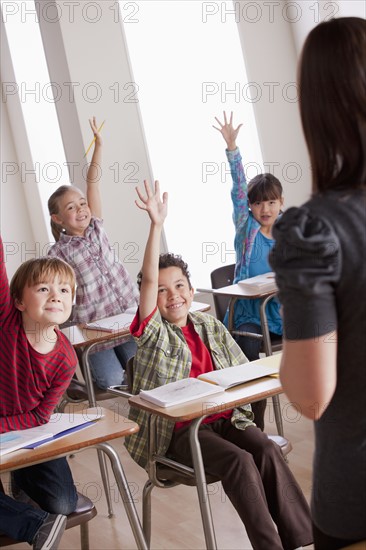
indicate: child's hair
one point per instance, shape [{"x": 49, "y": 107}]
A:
[
  {"x": 41, "y": 270},
  {"x": 53, "y": 208},
  {"x": 264, "y": 187},
  {"x": 170, "y": 260}
]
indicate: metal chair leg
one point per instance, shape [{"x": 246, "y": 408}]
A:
[
  {"x": 84, "y": 536},
  {"x": 146, "y": 511},
  {"x": 278, "y": 414},
  {"x": 105, "y": 479}
]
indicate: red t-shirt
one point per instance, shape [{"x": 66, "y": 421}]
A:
[{"x": 201, "y": 360}]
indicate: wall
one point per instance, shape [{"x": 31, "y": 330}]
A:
[{"x": 88, "y": 49}]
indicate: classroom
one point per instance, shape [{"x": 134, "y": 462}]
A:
[{"x": 156, "y": 74}]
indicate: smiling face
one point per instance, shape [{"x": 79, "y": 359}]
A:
[
  {"x": 73, "y": 213},
  {"x": 46, "y": 303},
  {"x": 174, "y": 295}
]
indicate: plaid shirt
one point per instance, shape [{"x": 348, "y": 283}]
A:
[
  {"x": 104, "y": 287},
  {"x": 163, "y": 356}
]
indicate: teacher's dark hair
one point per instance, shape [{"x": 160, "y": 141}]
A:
[{"x": 332, "y": 82}]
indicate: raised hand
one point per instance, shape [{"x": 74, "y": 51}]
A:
[
  {"x": 94, "y": 127},
  {"x": 228, "y": 132},
  {"x": 151, "y": 202}
]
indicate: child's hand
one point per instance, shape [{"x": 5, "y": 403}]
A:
[
  {"x": 229, "y": 133},
  {"x": 152, "y": 203},
  {"x": 94, "y": 127}
]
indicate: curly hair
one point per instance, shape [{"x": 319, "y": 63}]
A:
[{"x": 170, "y": 260}]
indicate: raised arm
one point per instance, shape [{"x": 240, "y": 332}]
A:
[
  {"x": 239, "y": 190},
  {"x": 94, "y": 171},
  {"x": 157, "y": 211}
]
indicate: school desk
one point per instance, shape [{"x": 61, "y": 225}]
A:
[{"x": 110, "y": 426}]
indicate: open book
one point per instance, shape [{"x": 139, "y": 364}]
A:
[
  {"x": 112, "y": 324},
  {"x": 59, "y": 425},
  {"x": 233, "y": 376},
  {"x": 261, "y": 283},
  {"x": 181, "y": 391}
]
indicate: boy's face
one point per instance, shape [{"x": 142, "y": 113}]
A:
[
  {"x": 46, "y": 303},
  {"x": 174, "y": 295},
  {"x": 73, "y": 213}
]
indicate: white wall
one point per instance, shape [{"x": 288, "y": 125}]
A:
[
  {"x": 271, "y": 59},
  {"x": 86, "y": 48}
]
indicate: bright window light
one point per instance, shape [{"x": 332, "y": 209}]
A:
[
  {"x": 35, "y": 94},
  {"x": 188, "y": 65}
]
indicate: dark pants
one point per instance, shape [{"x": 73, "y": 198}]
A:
[
  {"x": 326, "y": 542},
  {"x": 49, "y": 484},
  {"x": 251, "y": 348},
  {"x": 257, "y": 480},
  {"x": 18, "y": 520}
]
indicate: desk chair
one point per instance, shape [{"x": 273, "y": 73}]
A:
[
  {"x": 85, "y": 511},
  {"x": 164, "y": 472},
  {"x": 224, "y": 276}
]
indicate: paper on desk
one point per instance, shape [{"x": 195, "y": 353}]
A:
[
  {"x": 112, "y": 324},
  {"x": 181, "y": 391},
  {"x": 59, "y": 425},
  {"x": 260, "y": 283},
  {"x": 234, "y": 376}
]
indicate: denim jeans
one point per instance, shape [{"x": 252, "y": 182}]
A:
[
  {"x": 107, "y": 366},
  {"x": 49, "y": 484},
  {"x": 18, "y": 520}
]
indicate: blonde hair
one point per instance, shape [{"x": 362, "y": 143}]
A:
[
  {"x": 54, "y": 207},
  {"x": 41, "y": 270}
]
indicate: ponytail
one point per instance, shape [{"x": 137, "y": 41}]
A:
[
  {"x": 53, "y": 208},
  {"x": 56, "y": 230}
]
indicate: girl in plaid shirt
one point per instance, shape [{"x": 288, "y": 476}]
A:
[{"x": 104, "y": 287}]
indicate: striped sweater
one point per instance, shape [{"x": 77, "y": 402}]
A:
[{"x": 31, "y": 383}]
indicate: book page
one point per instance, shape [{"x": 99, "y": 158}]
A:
[
  {"x": 233, "y": 376},
  {"x": 59, "y": 423}
]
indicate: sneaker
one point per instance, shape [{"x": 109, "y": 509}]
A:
[{"x": 49, "y": 534}]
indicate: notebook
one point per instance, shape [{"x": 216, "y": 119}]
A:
[
  {"x": 112, "y": 324},
  {"x": 59, "y": 425},
  {"x": 181, "y": 391},
  {"x": 260, "y": 283},
  {"x": 233, "y": 376}
]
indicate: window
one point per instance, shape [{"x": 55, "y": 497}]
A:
[
  {"x": 35, "y": 92},
  {"x": 188, "y": 66}
]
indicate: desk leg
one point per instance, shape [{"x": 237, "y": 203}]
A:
[
  {"x": 93, "y": 403},
  {"x": 125, "y": 494},
  {"x": 268, "y": 351},
  {"x": 203, "y": 497}
]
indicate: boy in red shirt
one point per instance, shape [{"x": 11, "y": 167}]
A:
[{"x": 37, "y": 363}]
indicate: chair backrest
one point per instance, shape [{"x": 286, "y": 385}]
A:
[{"x": 222, "y": 276}]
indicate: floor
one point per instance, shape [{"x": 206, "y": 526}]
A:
[{"x": 176, "y": 520}]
